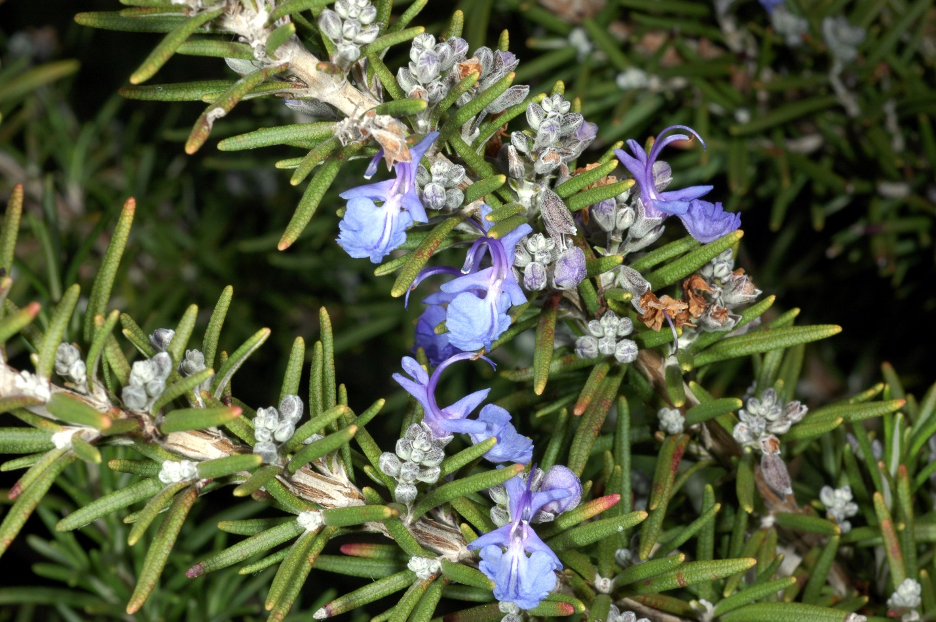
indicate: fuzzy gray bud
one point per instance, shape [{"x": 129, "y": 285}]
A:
[
  {"x": 161, "y": 338},
  {"x": 534, "y": 277}
]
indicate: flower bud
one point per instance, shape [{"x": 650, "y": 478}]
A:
[
  {"x": 193, "y": 363},
  {"x": 367, "y": 14},
  {"x": 560, "y": 477},
  {"x": 534, "y": 277},
  {"x": 409, "y": 471},
  {"x": 154, "y": 388},
  {"x": 291, "y": 408},
  {"x": 65, "y": 356},
  {"x": 607, "y": 344},
  {"x": 161, "y": 338},
  {"x": 434, "y": 196},
  {"x": 389, "y": 464},
  {"x": 625, "y": 218},
  {"x": 626, "y": 351},
  {"x": 367, "y": 34},
  {"x": 570, "y": 269},
  {"x": 454, "y": 197},
  {"x": 404, "y": 448},
  {"x": 346, "y": 54},
  {"x": 163, "y": 364},
  {"x": 405, "y": 493},
  {"x": 603, "y": 213},
  {"x": 267, "y": 451},
  {"x": 284, "y": 431},
  {"x": 134, "y": 397},
  {"x": 776, "y": 474},
  {"x": 330, "y": 24},
  {"x": 586, "y": 347},
  {"x": 429, "y": 475}
]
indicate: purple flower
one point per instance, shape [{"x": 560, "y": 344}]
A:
[
  {"x": 478, "y": 299},
  {"x": 495, "y": 421},
  {"x": 518, "y": 578},
  {"x": 436, "y": 347},
  {"x": 371, "y": 230},
  {"x": 707, "y": 222},
  {"x": 423, "y": 386},
  {"x": 656, "y": 203},
  {"x": 559, "y": 477}
]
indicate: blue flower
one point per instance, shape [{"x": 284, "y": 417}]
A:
[
  {"x": 478, "y": 300},
  {"x": 371, "y": 230},
  {"x": 436, "y": 347},
  {"x": 478, "y": 313},
  {"x": 422, "y": 387},
  {"x": 707, "y": 222},
  {"x": 494, "y": 421},
  {"x": 518, "y": 578},
  {"x": 656, "y": 203}
]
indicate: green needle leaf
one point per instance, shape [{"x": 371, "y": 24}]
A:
[
  {"x": 462, "y": 487},
  {"x": 418, "y": 258},
  {"x": 595, "y": 531},
  {"x": 692, "y": 261},
  {"x": 691, "y": 573},
  {"x": 543, "y": 350},
  {"x": 72, "y": 410},
  {"x": 167, "y": 47},
  {"x": 198, "y": 418},
  {"x": 162, "y": 544},
  {"x": 764, "y": 341},
  {"x": 56, "y": 331},
  {"x": 224, "y": 104},
  {"x": 11, "y": 222}
]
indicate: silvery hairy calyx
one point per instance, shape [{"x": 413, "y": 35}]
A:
[{"x": 593, "y": 411}]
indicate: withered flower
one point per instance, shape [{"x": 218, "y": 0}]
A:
[
  {"x": 691, "y": 287},
  {"x": 658, "y": 308}
]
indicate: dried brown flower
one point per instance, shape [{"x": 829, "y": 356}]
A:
[
  {"x": 658, "y": 308},
  {"x": 691, "y": 287}
]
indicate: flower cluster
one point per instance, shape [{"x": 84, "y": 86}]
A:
[
  {"x": 416, "y": 459},
  {"x": 905, "y": 599},
  {"x": 431, "y": 72},
  {"x": 438, "y": 185},
  {"x": 479, "y": 298},
  {"x": 521, "y": 565},
  {"x": 671, "y": 420},
  {"x": 68, "y": 365},
  {"x": 761, "y": 421},
  {"x": 726, "y": 290},
  {"x": 492, "y": 66},
  {"x": 544, "y": 263},
  {"x": 607, "y": 337},
  {"x": 273, "y": 427},
  {"x": 372, "y": 230},
  {"x": 839, "y": 505},
  {"x": 348, "y": 27},
  {"x": 147, "y": 381},
  {"x": 557, "y": 136}
]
